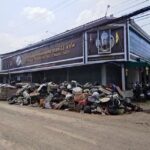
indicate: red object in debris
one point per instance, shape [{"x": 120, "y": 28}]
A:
[{"x": 82, "y": 102}]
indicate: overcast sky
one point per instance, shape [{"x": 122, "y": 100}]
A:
[{"x": 24, "y": 22}]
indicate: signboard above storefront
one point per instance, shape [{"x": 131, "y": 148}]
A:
[
  {"x": 106, "y": 41},
  {"x": 106, "y": 45},
  {"x": 101, "y": 45},
  {"x": 62, "y": 50}
]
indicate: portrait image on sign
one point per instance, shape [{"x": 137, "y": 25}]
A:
[{"x": 105, "y": 41}]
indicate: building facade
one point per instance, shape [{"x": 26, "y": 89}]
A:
[{"x": 112, "y": 53}]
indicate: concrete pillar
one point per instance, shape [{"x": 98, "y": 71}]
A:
[
  {"x": 67, "y": 74},
  {"x": 85, "y": 48},
  {"x": 103, "y": 74},
  {"x": 123, "y": 78}
]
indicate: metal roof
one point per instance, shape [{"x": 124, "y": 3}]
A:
[{"x": 64, "y": 34}]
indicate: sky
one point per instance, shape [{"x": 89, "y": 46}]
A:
[{"x": 24, "y": 22}]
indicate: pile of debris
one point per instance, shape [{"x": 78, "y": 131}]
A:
[{"x": 73, "y": 96}]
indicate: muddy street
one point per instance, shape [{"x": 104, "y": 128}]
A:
[{"x": 27, "y": 128}]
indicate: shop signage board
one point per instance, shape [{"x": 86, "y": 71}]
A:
[
  {"x": 63, "y": 50},
  {"x": 106, "y": 44}
]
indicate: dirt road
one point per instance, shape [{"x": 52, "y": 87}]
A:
[{"x": 26, "y": 128}]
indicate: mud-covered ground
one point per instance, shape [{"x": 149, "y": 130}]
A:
[{"x": 27, "y": 128}]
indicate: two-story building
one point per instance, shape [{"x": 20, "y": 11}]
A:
[{"x": 116, "y": 52}]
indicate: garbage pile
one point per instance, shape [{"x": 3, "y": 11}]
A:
[{"x": 73, "y": 96}]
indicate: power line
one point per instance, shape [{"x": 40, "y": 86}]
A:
[
  {"x": 132, "y": 6},
  {"x": 128, "y": 2},
  {"x": 57, "y": 4},
  {"x": 145, "y": 25},
  {"x": 121, "y": 19},
  {"x": 135, "y": 5},
  {"x": 141, "y": 16},
  {"x": 141, "y": 19},
  {"x": 62, "y": 6},
  {"x": 122, "y": 2},
  {"x": 126, "y": 17},
  {"x": 71, "y": 3}
]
